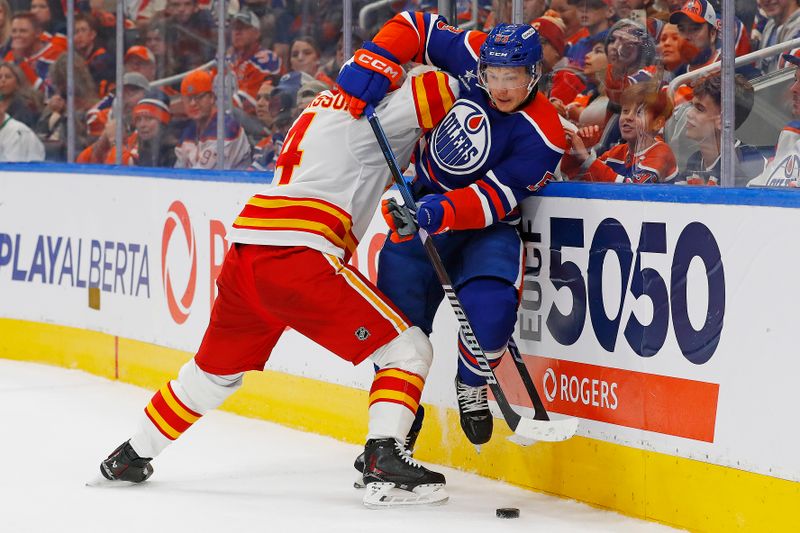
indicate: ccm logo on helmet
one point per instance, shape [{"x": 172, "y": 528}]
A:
[{"x": 378, "y": 64}]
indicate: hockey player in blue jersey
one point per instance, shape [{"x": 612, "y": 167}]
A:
[{"x": 497, "y": 146}]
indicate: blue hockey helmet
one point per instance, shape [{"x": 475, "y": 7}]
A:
[{"x": 511, "y": 45}]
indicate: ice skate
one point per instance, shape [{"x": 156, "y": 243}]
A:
[
  {"x": 411, "y": 441},
  {"x": 393, "y": 478},
  {"x": 124, "y": 464},
  {"x": 473, "y": 408}
]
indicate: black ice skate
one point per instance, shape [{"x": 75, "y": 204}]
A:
[
  {"x": 473, "y": 407},
  {"x": 124, "y": 464},
  {"x": 394, "y": 478},
  {"x": 411, "y": 441}
]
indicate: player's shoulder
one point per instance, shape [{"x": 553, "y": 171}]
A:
[
  {"x": 543, "y": 118},
  {"x": 474, "y": 40},
  {"x": 437, "y": 83},
  {"x": 792, "y": 127}
]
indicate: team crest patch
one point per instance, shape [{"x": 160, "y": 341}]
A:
[
  {"x": 362, "y": 333},
  {"x": 461, "y": 142}
]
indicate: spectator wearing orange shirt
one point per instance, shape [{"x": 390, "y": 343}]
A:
[
  {"x": 643, "y": 157},
  {"x": 251, "y": 63},
  {"x": 29, "y": 52}
]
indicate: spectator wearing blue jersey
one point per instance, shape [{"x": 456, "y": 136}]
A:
[
  {"x": 251, "y": 63},
  {"x": 596, "y": 16}
]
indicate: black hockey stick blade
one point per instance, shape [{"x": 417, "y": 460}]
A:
[
  {"x": 525, "y": 429},
  {"x": 549, "y": 429}
]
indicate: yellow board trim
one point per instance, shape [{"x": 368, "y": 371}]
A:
[{"x": 641, "y": 483}]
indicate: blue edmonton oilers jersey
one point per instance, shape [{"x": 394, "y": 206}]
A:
[{"x": 501, "y": 156}]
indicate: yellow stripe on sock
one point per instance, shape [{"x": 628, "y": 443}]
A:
[
  {"x": 161, "y": 423},
  {"x": 176, "y": 407}
]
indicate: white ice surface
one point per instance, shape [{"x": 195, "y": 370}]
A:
[{"x": 228, "y": 473}]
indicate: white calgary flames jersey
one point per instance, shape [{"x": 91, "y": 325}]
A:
[{"x": 331, "y": 173}]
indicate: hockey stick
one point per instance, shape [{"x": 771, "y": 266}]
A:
[
  {"x": 538, "y": 406},
  {"x": 525, "y": 429}
]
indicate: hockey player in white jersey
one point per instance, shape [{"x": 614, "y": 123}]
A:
[{"x": 288, "y": 268}]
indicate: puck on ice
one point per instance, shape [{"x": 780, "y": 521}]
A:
[{"x": 507, "y": 512}]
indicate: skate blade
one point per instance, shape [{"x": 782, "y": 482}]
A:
[
  {"x": 101, "y": 482},
  {"x": 519, "y": 440},
  {"x": 386, "y": 495},
  {"x": 358, "y": 483},
  {"x": 556, "y": 430}
]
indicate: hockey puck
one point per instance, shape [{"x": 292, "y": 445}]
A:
[{"x": 507, "y": 512}]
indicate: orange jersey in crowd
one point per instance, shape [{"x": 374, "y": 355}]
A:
[
  {"x": 92, "y": 153},
  {"x": 37, "y": 66},
  {"x": 252, "y": 71},
  {"x": 654, "y": 164}
]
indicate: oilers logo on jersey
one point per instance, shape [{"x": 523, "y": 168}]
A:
[
  {"x": 786, "y": 173},
  {"x": 461, "y": 143}
]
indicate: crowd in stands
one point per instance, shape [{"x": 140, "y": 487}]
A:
[{"x": 607, "y": 64}]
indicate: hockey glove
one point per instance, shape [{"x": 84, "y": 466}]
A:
[
  {"x": 367, "y": 76},
  {"x": 400, "y": 220},
  {"x": 435, "y": 213}
]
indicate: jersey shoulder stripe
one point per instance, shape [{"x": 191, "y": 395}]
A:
[
  {"x": 433, "y": 98},
  {"x": 543, "y": 117},
  {"x": 474, "y": 41}
]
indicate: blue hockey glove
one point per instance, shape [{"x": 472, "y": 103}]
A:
[
  {"x": 435, "y": 213},
  {"x": 367, "y": 76}
]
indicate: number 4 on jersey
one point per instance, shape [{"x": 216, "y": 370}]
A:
[{"x": 291, "y": 155}]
